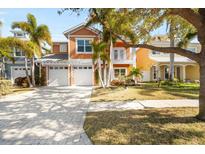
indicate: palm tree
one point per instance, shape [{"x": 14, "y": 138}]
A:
[
  {"x": 8, "y": 44},
  {"x": 39, "y": 35},
  {"x": 136, "y": 72},
  {"x": 99, "y": 55}
]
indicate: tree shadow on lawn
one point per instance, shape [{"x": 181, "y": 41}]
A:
[{"x": 158, "y": 126}]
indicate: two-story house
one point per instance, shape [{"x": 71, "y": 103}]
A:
[
  {"x": 155, "y": 65},
  {"x": 17, "y": 69},
  {"x": 71, "y": 61}
]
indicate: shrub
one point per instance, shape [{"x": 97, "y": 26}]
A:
[
  {"x": 117, "y": 83},
  {"x": 129, "y": 82},
  {"x": 22, "y": 81},
  {"x": 5, "y": 87},
  {"x": 171, "y": 83}
]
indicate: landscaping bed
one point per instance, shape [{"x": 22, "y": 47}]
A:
[
  {"x": 149, "y": 126},
  {"x": 146, "y": 91},
  {"x": 6, "y": 88}
]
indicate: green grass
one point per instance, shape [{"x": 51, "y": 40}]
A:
[
  {"x": 147, "y": 91},
  {"x": 150, "y": 126}
]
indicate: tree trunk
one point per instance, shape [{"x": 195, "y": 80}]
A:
[
  {"x": 171, "y": 71},
  {"x": 100, "y": 74},
  {"x": 26, "y": 69},
  {"x": 201, "y": 114},
  {"x": 104, "y": 73},
  {"x": 171, "y": 75},
  {"x": 33, "y": 71},
  {"x": 110, "y": 65}
]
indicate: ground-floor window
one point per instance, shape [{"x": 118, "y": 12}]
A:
[{"x": 119, "y": 72}]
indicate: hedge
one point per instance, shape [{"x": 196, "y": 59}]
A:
[{"x": 5, "y": 87}]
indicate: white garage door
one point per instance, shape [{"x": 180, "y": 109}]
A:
[
  {"x": 18, "y": 72},
  {"x": 58, "y": 76},
  {"x": 83, "y": 75}
]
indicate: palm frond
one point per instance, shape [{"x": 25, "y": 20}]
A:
[
  {"x": 43, "y": 34},
  {"x": 31, "y": 20},
  {"x": 22, "y": 25}
]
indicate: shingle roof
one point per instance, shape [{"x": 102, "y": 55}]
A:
[{"x": 60, "y": 56}]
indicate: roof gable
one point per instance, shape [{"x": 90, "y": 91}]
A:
[{"x": 81, "y": 29}]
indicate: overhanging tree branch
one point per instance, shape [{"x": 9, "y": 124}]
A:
[{"x": 189, "y": 15}]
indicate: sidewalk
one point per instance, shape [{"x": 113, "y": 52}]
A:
[{"x": 136, "y": 105}]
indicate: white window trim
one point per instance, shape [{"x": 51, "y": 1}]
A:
[
  {"x": 119, "y": 48},
  {"x": 76, "y": 42},
  {"x": 120, "y": 68},
  {"x": 16, "y": 55}
]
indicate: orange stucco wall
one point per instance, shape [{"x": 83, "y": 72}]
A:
[
  {"x": 143, "y": 61},
  {"x": 81, "y": 33}
]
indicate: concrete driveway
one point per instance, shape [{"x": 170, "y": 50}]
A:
[{"x": 48, "y": 115}]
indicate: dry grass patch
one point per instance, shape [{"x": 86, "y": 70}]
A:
[
  {"x": 150, "y": 126},
  {"x": 144, "y": 93}
]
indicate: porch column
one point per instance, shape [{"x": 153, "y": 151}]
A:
[
  {"x": 158, "y": 73},
  {"x": 183, "y": 73}
]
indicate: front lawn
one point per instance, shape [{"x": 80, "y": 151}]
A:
[
  {"x": 150, "y": 126},
  {"x": 147, "y": 91}
]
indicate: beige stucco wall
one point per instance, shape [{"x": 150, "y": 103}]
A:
[{"x": 192, "y": 72}]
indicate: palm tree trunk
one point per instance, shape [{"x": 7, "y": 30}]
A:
[
  {"x": 201, "y": 114},
  {"x": 100, "y": 73},
  {"x": 33, "y": 71},
  {"x": 110, "y": 64},
  {"x": 104, "y": 73},
  {"x": 27, "y": 75}
]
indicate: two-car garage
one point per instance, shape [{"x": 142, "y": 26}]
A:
[{"x": 64, "y": 76}]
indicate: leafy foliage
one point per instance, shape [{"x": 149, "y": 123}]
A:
[
  {"x": 135, "y": 72},
  {"x": 40, "y": 35},
  {"x": 7, "y": 45}
]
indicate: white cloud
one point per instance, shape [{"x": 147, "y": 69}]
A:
[{"x": 3, "y": 12}]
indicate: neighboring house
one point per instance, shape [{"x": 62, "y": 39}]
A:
[
  {"x": 155, "y": 65},
  {"x": 71, "y": 61},
  {"x": 17, "y": 69}
]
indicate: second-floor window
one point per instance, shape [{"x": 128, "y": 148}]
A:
[
  {"x": 18, "y": 53},
  {"x": 84, "y": 45},
  {"x": 119, "y": 54},
  {"x": 63, "y": 47}
]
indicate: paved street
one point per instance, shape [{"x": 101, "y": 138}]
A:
[{"x": 49, "y": 115}]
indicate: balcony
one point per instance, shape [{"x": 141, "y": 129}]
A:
[{"x": 123, "y": 61}]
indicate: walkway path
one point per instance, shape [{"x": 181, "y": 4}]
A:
[
  {"x": 136, "y": 105},
  {"x": 49, "y": 115}
]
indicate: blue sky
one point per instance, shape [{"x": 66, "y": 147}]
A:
[{"x": 56, "y": 23}]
